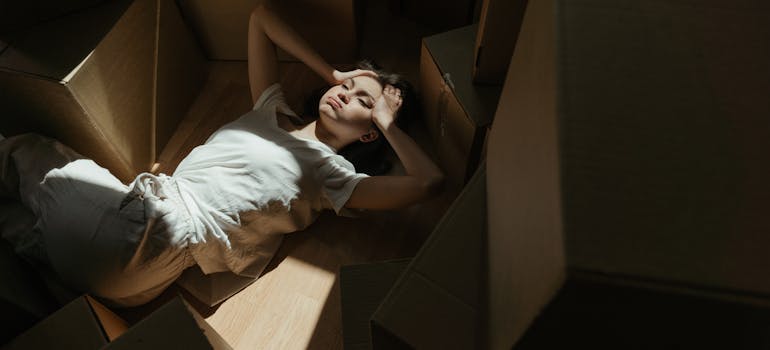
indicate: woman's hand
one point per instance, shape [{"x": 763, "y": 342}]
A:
[
  {"x": 339, "y": 77},
  {"x": 386, "y": 107}
]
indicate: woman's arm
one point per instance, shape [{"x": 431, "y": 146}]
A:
[
  {"x": 267, "y": 30},
  {"x": 423, "y": 178}
]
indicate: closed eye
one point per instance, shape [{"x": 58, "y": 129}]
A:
[{"x": 361, "y": 100}]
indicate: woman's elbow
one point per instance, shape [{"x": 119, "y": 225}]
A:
[
  {"x": 258, "y": 11},
  {"x": 433, "y": 185}
]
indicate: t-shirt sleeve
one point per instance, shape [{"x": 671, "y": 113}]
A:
[
  {"x": 270, "y": 97},
  {"x": 340, "y": 180},
  {"x": 273, "y": 99}
]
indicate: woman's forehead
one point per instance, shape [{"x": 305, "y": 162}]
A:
[{"x": 369, "y": 84}]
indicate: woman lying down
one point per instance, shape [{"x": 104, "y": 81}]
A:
[{"x": 228, "y": 202}]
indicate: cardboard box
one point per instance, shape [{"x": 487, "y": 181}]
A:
[
  {"x": 214, "y": 288},
  {"x": 362, "y": 289},
  {"x": 175, "y": 325},
  {"x": 526, "y": 253},
  {"x": 662, "y": 178},
  {"x": 456, "y": 111},
  {"x": 76, "y": 79},
  {"x": 327, "y": 25},
  {"x": 89, "y": 79},
  {"x": 181, "y": 70},
  {"x": 87, "y": 324},
  {"x": 498, "y": 30},
  {"x": 627, "y": 145},
  {"x": 437, "y": 302},
  {"x": 84, "y": 324},
  {"x": 670, "y": 160}
]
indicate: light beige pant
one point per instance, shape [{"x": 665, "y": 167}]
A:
[{"x": 125, "y": 244}]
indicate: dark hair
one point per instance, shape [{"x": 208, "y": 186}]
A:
[{"x": 370, "y": 157}]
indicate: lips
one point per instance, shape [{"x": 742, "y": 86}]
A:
[{"x": 332, "y": 102}]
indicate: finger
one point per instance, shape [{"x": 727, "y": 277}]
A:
[{"x": 366, "y": 72}]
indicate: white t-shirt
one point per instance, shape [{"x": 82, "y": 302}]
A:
[{"x": 252, "y": 181}]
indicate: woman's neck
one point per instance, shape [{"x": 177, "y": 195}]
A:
[{"x": 316, "y": 131}]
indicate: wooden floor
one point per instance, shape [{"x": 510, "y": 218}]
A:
[{"x": 296, "y": 304}]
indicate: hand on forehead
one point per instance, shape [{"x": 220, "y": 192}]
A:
[{"x": 369, "y": 84}]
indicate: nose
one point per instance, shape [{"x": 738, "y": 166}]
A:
[{"x": 344, "y": 97}]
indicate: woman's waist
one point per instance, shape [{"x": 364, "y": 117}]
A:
[{"x": 163, "y": 201}]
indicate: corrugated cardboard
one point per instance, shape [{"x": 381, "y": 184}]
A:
[
  {"x": 628, "y": 144},
  {"x": 327, "y": 25},
  {"x": 111, "y": 81},
  {"x": 498, "y": 29},
  {"x": 525, "y": 246},
  {"x": 456, "y": 111},
  {"x": 175, "y": 325},
  {"x": 181, "y": 71},
  {"x": 213, "y": 288},
  {"x": 663, "y": 137},
  {"x": 437, "y": 303},
  {"x": 83, "y": 324},
  {"x": 362, "y": 289},
  {"x": 87, "y": 80}
]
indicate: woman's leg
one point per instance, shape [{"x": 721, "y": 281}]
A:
[
  {"x": 87, "y": 231},
  {"x": 24, "y": 162}
]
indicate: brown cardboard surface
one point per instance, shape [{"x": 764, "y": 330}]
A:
[
  {"x": 181, "y": 70},
  {"x": 525, "y": 245},
  {"x": 627, "y": 145},
  {"x": 456, "y": 112},
  {"x": 112, "y": 325},
  {"x": 362, "y": 289},
  {"x": 431, "y": 318},
  {"x": 452, "y": 256},
  {"x": 68, "y": 79},
  {"x": 74, "y": 326},
  {"x": 453, "y": 53},
  {"x": 115, "y": 85},
  {"x": 60, "y": 116},
  {"x": 175, "y": 325},
  {"x": 111, "y": 81},
  {"x": 498, "y": 29},
  {"x": 437, "y": 302},
  {"x": 328, "y": 26},
  {"x": 214, "y": 288},
  {"x": 664, "y": 136},
  {"x": 449, "y": 127}
]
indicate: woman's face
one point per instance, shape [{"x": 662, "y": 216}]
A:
[{"x": 346, "y": 109}]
